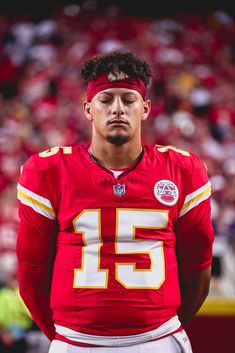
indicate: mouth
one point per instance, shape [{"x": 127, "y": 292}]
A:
[{"x": 118, "y": 122}]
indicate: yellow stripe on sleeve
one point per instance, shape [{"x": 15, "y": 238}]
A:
[
  {"x": 195, "y": 198},
  {"x": 38, "y": 203}
]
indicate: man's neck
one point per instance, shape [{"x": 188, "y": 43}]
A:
[{"x": 111, "y": 156}]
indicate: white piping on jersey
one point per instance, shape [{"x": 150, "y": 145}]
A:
[
  {"x": 195, "y": 198},
  {"x": 120, "y": 341},
  {"x": 38, "y": 203}
]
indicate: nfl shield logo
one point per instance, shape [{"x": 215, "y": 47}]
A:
[{"x": 119, "y": 190}]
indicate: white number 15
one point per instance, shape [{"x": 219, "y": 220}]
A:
[{"x": 90, "y": 275}]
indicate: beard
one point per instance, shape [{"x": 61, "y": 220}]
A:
[{"x": 117, "y": 140}]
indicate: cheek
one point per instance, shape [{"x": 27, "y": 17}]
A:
[
  {"x": 100, "y": 114},
  {"x": 137, "y": 117},
  {"x": 99, "y": 121},
  {"x": 138, "y": 112}
]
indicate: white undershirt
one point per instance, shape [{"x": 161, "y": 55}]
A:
[{"x": 116, "y": 173}]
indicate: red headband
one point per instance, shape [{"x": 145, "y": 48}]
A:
[{"x": 111, "y": 80}]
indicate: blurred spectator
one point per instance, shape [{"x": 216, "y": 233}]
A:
[{"x": 15, "y": 319}]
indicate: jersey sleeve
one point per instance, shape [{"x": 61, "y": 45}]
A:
[
  {"x": 194, "y": 229},
  {"x": 36, "y": 243},
  {"x": 34, "y": 192}
]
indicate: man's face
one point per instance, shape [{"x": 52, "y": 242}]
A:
[{"x": 116, "y": 114}]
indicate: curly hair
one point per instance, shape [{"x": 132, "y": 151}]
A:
[{"x": 116, "y": 61}]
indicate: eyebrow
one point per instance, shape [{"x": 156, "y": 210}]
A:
[{"x": 123, "y": 93}]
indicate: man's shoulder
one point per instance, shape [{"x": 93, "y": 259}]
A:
[
  {"x": 178, "y": 158},
  {"x": 53, "y": 157},
  {"x": 53, "y": 164}
]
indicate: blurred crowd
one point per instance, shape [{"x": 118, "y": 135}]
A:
[{"x": 192, "y": 93}]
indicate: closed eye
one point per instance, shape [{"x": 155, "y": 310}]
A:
[
  {"x": 129, "y": 101},
  {"x": 105, "y": 100}
]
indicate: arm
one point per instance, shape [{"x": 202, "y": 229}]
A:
[
  {"x": 35, "y": 247},
  {"x": 195, "y": 236},
  {"x": 194, "y": 290},
  {"x": 35, "y": 256},
  {"x": 194, "y": 252}
]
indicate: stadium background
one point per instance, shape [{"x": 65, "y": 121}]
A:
[{"x": 192, "y": 50}]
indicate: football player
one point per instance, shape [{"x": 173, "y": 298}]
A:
[{"x": 115, "y": 237}]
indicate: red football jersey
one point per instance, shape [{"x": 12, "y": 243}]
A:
[{"x": 115, "y": 268}]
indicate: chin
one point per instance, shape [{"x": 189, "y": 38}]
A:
[{"x": 117, "y": 140}]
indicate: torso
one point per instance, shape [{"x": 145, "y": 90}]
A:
[{"x": 115, "y": 254}]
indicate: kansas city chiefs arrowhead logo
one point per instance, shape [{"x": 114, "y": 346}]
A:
[{"x": 166, "y": 192}]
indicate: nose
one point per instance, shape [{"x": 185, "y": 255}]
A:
[{"x": 117, "y": 107}]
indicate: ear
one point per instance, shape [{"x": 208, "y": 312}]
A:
[
  {"x": 146, "y": 109},
  {"x": 87, "y": 110}
]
